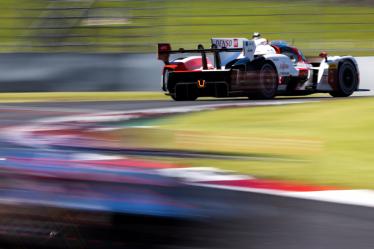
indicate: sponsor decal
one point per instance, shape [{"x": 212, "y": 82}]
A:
[
  {"x": 236, "y": 43},
  {"x": 224, "y": 43},
  {"x": 283, "y": 66}
]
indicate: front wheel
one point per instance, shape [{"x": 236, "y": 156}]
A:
[
  {"x": 347, "y": 80},
  {"x": 267, "y": 84}
]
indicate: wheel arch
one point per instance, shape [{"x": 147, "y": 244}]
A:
[
  {"x": 273, "y": 64},
  {"x": 351, "y": 60},
  {"x": 262, "y": 89},
  {"x": 282, "y": 64}
]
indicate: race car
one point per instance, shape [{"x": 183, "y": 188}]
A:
[{"x": 255, "y": 68}]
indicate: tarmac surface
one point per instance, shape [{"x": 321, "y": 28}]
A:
[{"x": 16, "y": 113}]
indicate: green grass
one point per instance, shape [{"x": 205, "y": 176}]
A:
[
  {"x": 337, "y": 27},
  {"x": 310, "y": 26},
  {"x": 79, "y": 96},
  {"x": 329, "y": 142}
]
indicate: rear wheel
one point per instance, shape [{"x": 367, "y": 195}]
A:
[
  {"x": 179, "y": 98},
  {"x": 347, "y": 80},
  {"x": 267, "y": 84},
  {"x": 184, "y": 93},
  {"x": 165, "y": 78}
]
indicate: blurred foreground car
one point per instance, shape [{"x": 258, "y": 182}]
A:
[
  {"x": 254, "y": 68},
  {"x": 58, "y": 203}
]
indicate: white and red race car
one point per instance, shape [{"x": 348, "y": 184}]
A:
[{"x": 255, "y": 68}]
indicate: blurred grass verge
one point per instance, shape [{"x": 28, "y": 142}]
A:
[
  {"x": 338, "y": 27},
  {"x": 327, "y": 142},
  {"x": 79, "y": 96}
]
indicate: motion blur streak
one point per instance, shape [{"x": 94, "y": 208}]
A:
[
  {"x": 64, "y": 197},
  {"x": 45, "y": 201},
  {"x": 74, "y": 197},
  {"x": 290, "y": 173},
  {"x": 135, "y": 26}
]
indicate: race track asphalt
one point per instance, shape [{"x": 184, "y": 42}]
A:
[
  {"x": 266, "y": 221},
  {"x": 16, "y": 113}
]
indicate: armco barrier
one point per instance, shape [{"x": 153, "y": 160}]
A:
[{"x": 25, "y": 72}]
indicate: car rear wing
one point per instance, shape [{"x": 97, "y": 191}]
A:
[{"x": 164, "y": 51}]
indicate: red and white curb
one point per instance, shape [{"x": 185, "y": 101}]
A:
[
  {"x": 211, "y": 177},
  {"x": 54, "y": 130},
  {"x": 229, "y": 180}
]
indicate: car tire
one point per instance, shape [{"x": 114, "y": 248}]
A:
[
  {"x": 184, "y": 94},
  {"x": 176, "y": 98},
  {"x": 184, "y": 98},
  {"x": 347, "y": 80},
  {"x": 267, "y": 83},
  {"x": 165, "y": 78}
]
